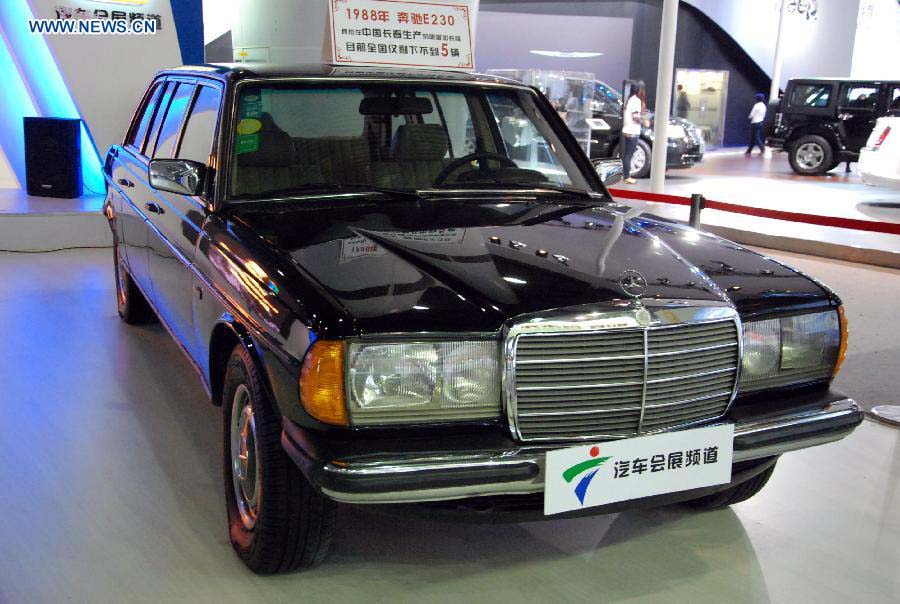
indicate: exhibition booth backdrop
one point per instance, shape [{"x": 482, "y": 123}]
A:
[{"x": 98, "y": 78}]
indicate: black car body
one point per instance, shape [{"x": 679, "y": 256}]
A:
[
  {"x": 290, "y": 299},
  {"x": 685, "y": 147},
  {"x": 822, "y": 122}
]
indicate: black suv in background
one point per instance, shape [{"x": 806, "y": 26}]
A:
[
  {"x": 823, "y": 122},
  {"x": 686, "y": 145}
]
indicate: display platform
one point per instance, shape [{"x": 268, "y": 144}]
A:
[
  {"x": 769, "y": 183},
  {"x": 40, "y": 224}
]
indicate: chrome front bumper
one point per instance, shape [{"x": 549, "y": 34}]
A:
[{"x": 518, "y": 471}]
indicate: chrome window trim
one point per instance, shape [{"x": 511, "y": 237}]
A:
[{"x": 616, "y": 317}]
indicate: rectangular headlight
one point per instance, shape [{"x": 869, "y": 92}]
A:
[
  {"x": 409, "y": 382},
  {"x": 790, "y": 350},
  {"x": 676, "y": 131}
]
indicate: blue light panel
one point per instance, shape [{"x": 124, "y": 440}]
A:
[{"x": 38, "y": 73}]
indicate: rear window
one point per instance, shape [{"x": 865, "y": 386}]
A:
[{"x": 811, "y": 95}]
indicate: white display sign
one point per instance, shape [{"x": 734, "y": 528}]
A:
[
  {"x": 590, "y": 475},
  {"x": 359, "y": 247},
  {"x": 402, "y": 34}
]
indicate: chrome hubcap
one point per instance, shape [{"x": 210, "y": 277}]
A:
[
  {"x": 245, "y": 457},
  {"x": 638, "y": 160},
  {"x": 810, "y": 155}
]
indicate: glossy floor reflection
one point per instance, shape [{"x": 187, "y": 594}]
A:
[{"x": 110, "y": 491}]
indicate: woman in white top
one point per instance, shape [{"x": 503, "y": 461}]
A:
[{"x": 631, "y": 126}]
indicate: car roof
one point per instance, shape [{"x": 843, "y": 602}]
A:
[
  {"x": 848, "y": 80},
  {"x": 245, "y": 71}
]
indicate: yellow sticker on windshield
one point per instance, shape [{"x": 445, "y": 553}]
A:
[{"x": 249, "y": 126}]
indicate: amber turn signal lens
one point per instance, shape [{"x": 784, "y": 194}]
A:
[
  {"x": 322, "y": 383},
  {"x": 842, "y": 351}
]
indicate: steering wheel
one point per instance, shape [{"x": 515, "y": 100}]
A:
[{"x": 456, "y": 164}]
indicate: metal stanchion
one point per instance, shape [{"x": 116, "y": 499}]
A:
[
  {"x": 697, "y": 203},
  {"x": 889, "y": 414}
]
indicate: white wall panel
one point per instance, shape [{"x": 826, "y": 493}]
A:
[
  {"x": 8, "y": 178},
  {"x": 819, "y": 44},
  {"x": 107, "y": 74},
  {"x": 877, "y": 47}
]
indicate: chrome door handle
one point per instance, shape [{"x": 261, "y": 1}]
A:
[
  {"x": 155, "y": 208},
  {"x": 125, "y": 182}
]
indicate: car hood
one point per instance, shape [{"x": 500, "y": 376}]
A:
[{"x": 444, "y": 265}]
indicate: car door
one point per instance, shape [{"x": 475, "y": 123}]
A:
[
  {"x": 128, "y": 175},
  {"x": 187, "y": 133},
  {"x": 857, "y": 110},
  {"x": 171, "y": 244}
]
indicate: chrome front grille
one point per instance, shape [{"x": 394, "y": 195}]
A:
[{"x": 620, "y": 382}]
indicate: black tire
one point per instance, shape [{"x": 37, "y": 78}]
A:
[
  {"x": 736, "y": 494},
  {"x": 292, "y": 524},
  {"x": 834, "y": 164},
  {"x": 130, "y": 302},
  {"x": 644, "y": 171},
  {"x": 811, "y": 155}
]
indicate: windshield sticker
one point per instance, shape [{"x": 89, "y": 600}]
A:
[
  {"x": 247, "y": 139},
  {"x": 249, "y": 126},
  {"x": 359, "y": 247}
]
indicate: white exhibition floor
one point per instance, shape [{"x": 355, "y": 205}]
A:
[
  {"x": 110, "y": 491},
  {"x": 769, "y": 183}
]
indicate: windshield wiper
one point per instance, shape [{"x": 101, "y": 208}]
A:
[
  {"x": 330, "y": 189},
  {"x": 517, "y": 186}
]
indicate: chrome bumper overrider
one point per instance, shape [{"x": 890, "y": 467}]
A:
[{"x": 407, "y": 479}]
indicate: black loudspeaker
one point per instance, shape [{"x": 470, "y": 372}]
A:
[{"x": 53, "y": 157}]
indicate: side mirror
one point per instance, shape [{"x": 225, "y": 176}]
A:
[
  {"x": 177, "y": 176},
  {"x": 610, "y": 171}
]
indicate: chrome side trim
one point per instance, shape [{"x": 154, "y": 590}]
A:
[{"x": 525, "y": 465}]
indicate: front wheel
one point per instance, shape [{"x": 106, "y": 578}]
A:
[
  {"x": 811, "y": 155},
  {"x": 277, "y": 521},
  {"x": 736, "y": 494},
  {"x": 640, "y": 161}
]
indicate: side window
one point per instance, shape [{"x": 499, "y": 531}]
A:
[
  {"x": 859, "y": 96},
  {"x": 811, "y": 95},
  {"x": 525, "y": 145},
  {"x": 158, "y": 115},
  {"x": 139, "y": 133},
  {"x": 894, "y": 99},
  {"x": 165, "y": 142},
  {"x": 196, "y": 144}
]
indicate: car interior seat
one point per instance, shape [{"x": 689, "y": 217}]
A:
[
  {"x": 418, "y": 154},
  {"x": 272, "y": 166}
]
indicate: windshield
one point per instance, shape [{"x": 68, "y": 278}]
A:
[
  {"x": 292, "y": 139},
  {"x": 607, "y": 98}
]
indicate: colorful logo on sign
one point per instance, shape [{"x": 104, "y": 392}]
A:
[{"x": 587, "y": 470}]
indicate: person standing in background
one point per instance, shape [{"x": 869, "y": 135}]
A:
[
  {"x": 757, "y": 117},
  {"x": 635, "y": 107},
  {"x": 682, "y": 104}
]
